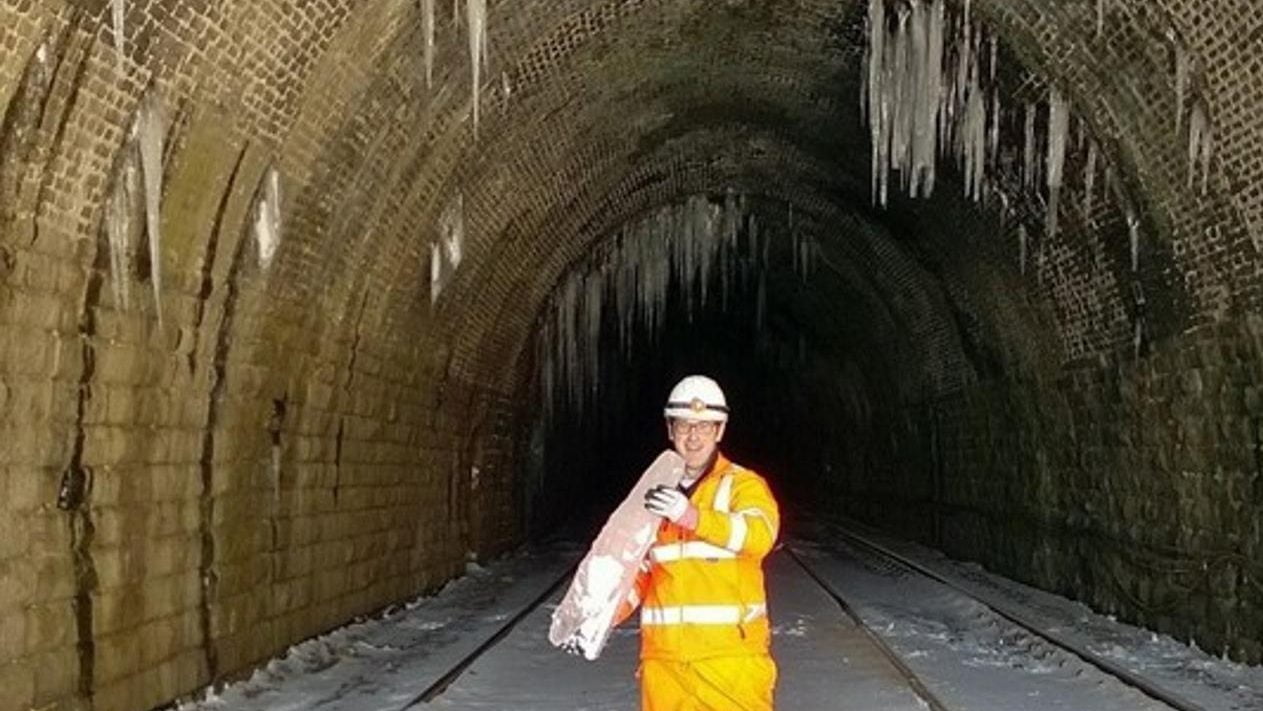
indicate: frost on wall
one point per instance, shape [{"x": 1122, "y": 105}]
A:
[
  {"x": 150, "y": 134},
  {"x": 267, "y": 218},
  {"x": 447, "y": 249}
]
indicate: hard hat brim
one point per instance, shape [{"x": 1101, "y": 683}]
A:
[{"x": 688, "y": 413}]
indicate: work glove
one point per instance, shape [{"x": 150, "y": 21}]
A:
[{"x": 668, "y": 502}]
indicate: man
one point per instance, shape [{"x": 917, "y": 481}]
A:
[{"x": 705, "y": 636}]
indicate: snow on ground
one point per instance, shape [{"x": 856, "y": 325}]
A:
[
  {"x": 1210, "y": 682},
  {"x": 385, "y": 663},
  {"x": 972, "y": 658}
]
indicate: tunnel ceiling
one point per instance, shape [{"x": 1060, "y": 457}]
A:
[{"x": 593, "y": 113}]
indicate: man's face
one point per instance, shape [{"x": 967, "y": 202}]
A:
[{"x": 695, "y": 440}]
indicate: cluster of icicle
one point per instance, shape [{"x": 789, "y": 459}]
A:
[
  {"x": 140, "y": 174},
  {"x": 476, "y": 25},
  {"x": 446, "y": 250},
  {"x": 924, "y": 96},
  {"x": 685, "y": 249}
]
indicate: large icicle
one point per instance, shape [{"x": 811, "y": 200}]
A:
[
  {"x": 118, "y": 227},
  {"x": 448, "y": 247},
  {"x": 118, "y": 15},
  {"x": 1028, "y": 148},
  {"x": 476, "y": 11},
  {"x": 427, "y": 32},
  {"x": 150, "y": 134},
  {"x": 974, "y": 135},
  {"x": 1100, "y": 17},
  {"x": 1058, "y": 131},
  {"x": 1199, "y": 146},
  {"x": 267, "y": 221},
  {"x": 1181, "y": 81},
  {"x": 876, "y": 54}
]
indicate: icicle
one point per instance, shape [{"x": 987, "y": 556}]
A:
[
  {"x": 1058, "y": 130},
  {"x": 452, "y": 229},
  {"x": 477, "y": 17},
  {"x": 993, "y": 136},
  {"x": 1089, "y": 180},
  {"x": 995, "y": 57},
  {"x": 1028, "y": 153},
  {"x": 427, "y": 32},
  {"x": 1181, "y": 82},
  {"x": 267, "y": 226},
  {"x": 436, "y": 272},
  {"x": 1138, "y": 337},
  {"x": 1133, "y": 235},
  {"x": 930, "y": 87},
  {"x": 876, "y": 54},
  {"x": 1100, "y": 17},
  {"x": 975, "y": 137},
  {"x": 1022, "y": 242},
  {"x": 1199, "y": 146},
  {"x": 150, "y": 134},
  {"x": 119, "y": 229},
  {"x": 904, "y": 96},
  {"x": 119, "y": 16}
]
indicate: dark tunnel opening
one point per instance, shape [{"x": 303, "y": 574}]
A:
[{"x": 807, "y": 348}]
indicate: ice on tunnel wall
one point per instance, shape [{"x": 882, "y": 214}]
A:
[
  {"x": 476, "y": 11},
  {"x": 427, "y": 33},
  {"x": 447, "y": 250},
  {"x": 118, "y": 226},
  {"x": 1058, "y": 132},
  {"x": 150, "y": 130},
  {"x": 118, "y": 16},
  {"x": 1200, "y": 145},
  {"x": 1181, "y": 81},
  {"x": 267, "y": 218}
]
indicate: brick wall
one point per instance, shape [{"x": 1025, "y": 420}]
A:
[{"x": 299, "y": 442}]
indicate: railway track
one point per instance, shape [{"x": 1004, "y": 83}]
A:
[
  {"x": 887, "y": 557},
  {"x": 883, "y": 559}
]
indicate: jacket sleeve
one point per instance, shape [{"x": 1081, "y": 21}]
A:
[
  {"x": 751, "y": 529},
  {"x": 634, "y": 596}
]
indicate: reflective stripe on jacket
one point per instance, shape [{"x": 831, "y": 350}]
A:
[{"x": 703, "y": 593}]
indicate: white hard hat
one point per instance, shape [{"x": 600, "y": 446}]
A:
[{"x": 697, "y": 397}]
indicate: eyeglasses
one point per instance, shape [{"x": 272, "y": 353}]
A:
[{"x": 683, "y": 428}]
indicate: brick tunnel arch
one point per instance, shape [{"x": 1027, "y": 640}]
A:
[{"x": 225, "y": 450}]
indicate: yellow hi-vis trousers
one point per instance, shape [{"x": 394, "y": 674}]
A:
[{"x": 743, "y": 683}]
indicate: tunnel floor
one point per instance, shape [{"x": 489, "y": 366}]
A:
[{"x": 851, "y": 630}]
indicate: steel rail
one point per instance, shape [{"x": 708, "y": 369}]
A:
[
  {"x": 438, "y": 687},
  {"x": 919, "y": 688},
  {"x": 1124, "y": 675}
]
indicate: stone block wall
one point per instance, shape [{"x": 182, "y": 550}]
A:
[
  {"x": 1134, "y": 485},
  {"x": 210, "y": 455}
]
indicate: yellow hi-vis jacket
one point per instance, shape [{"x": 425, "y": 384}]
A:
[{"x": 702, "y": 591}]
